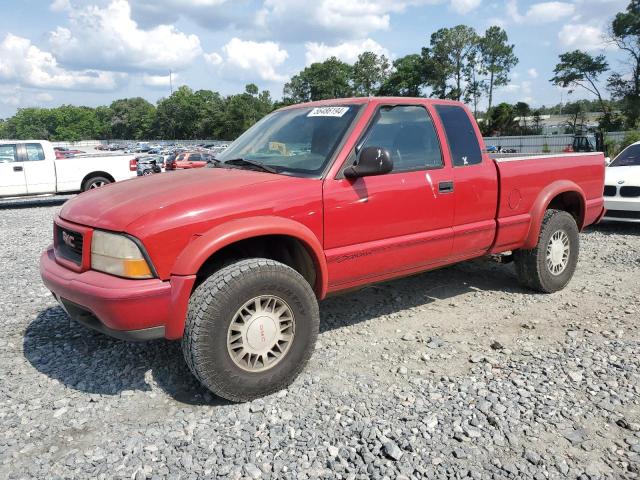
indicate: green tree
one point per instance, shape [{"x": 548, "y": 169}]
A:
[
  {"x": 241, "y": 111},
  {"x": 4, "y": 130},
  {"x": 319, "y": 81},
  {"x": 448, "y": 59},
  {"x": 522, "y": 110},
  {"x": 497, "y": 59},
  {"x": 577, "y": 117},
  {"x": 406, "y": 77},
  {"x": 370, "y": 72},
  {"x": 177, "y": 115},
  {"x": 625, "y": 33},
  {"x": 34, "y": 123},
  {"x": 132, "y": 118},
  {"x": 500, "y": 120},
  {"x": 74, "y": 123},
  {"x": 580, "y": 69}
]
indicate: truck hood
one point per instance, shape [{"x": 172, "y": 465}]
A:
[
  {"x": 628, "y": 175},
  {"x": 115, "y": 206}
]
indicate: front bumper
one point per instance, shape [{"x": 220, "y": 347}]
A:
[
  {"x": 122, "y": 308},
  {"x": 622, "y": 209}
]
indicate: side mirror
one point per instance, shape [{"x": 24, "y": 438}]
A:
[
  {"x": 372, "y": 161},
  {"x": 607, "y": 160}
]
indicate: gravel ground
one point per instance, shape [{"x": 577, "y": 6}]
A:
[{"x": 449, "y": 374}]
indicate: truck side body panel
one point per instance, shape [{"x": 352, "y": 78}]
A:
[{"x": 529, "y": 184}]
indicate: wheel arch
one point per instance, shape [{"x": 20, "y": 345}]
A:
[
  {"x": 562, "y": 195},
  {"x": 208, "y": 251}
]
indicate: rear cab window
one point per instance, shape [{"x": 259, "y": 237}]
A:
[
  {"x": 461, "y": 136},
  {"x": 34, "y": 152}
]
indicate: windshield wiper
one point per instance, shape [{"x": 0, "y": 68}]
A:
[{"x": 252, "y": 163}]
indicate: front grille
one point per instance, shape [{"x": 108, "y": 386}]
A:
[
  {"x": 610, "y": 190},
  {"x": 622, "y": 214},
  {"x": 630, "y": 191},
  {"x": 69, "y": 244}
]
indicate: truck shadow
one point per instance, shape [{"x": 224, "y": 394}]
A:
[
  {"x": 93, "y": 363},
  {"x": 608, "y": 227},
  {"x": 32, "y": 203}
]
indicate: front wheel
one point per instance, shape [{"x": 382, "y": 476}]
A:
[
  {"x": 550, "y": 265},
  {"x": 251, "y": 328}
]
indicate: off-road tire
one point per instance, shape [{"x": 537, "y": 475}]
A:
[
  {"x": 95, "y": 181},
  {"x": 211, "y": 309},
  {"x": 531, "y": 266}
]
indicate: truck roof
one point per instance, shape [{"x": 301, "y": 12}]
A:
[{"x": 365, "y": 100}]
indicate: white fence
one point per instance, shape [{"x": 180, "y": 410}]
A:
[{"x": 541, "y": 143}]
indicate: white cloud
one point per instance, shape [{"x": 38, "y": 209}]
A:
[
  {"x": 26, "y": 64},
  {"x": 248, "y": 57},
  {"x": 160, "y": 81},
  {"x": 539, "y": 13},
  {"x": 329, "y": 20},
  {"x": 213, "y": 58},
  {"x": 465, "y": 6},
  {"x": 60, "y": 5},
  {"x": 347, "y": 51},
  {"x": 108, "y": 38},
  {"x": 584, "y": 37},
  {"x": 533, "y": 73}
]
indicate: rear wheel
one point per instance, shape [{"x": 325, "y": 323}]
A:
[
  {"x": 95, "y": 182},
  {"x": 550, "y": 265},
  {"x": 251, "y": 328}
]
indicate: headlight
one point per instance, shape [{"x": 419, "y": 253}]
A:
[{"x": 118, "y": 255}]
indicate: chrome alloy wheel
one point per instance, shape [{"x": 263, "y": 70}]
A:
[
  {"x": 97, "y": 184},
  {"x": 261, "y": 333},
  {"x": 558, "y": 251}
]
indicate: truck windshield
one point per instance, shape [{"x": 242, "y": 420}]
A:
[
  {"x": 298, "y": 141},
  {"x": 629, "y": 157}
]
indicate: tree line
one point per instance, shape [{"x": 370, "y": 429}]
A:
[
  {"x": 185, "y": 114},
  {"x": 458, "y": 63}
]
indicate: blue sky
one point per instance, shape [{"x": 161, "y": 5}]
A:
[{"x": 91, "y": 52}]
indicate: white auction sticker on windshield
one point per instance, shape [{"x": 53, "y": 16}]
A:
[{"x": 328, "y": 112}]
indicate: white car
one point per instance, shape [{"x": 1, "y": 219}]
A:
[
  {"x": 622, "y": 186},
  {"x": 30, "y": 167}
]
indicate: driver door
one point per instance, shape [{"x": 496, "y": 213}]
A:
[
  {"x": 388, "y": 225},
  {"x": 12, "y": 178}
]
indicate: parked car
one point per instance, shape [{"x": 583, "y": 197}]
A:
[
  {"x": 189, "y": 160},
  {"x": 30, "y": 167},
  {"x": 149, "y": 164},
  {"x": 68, "y": 150},
  {"x": 314, "y": 199},
  {"x": 622, "y": 186}
]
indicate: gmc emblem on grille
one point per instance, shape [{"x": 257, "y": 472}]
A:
[{"x": 68, "y": 240}]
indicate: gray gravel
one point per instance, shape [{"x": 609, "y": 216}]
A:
[{"x": 450, "y": 374}]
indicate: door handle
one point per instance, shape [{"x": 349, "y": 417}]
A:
[
  {"x": 18, "y": 169},
  {"x": 445, "y": 187}
]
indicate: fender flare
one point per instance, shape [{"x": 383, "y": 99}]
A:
[
  {"x": 542, "y": 202},
  {"x": 203, "y": 246}
]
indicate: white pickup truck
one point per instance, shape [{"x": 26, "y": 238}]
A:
[{"x": 30, "y": 167}]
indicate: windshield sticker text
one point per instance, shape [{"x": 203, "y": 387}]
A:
[{"x": 328, "y": 112}]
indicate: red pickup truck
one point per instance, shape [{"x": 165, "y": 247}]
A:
[{"x": 312, "y": 200}]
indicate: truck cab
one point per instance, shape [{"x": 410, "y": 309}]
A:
[{"x": 27, "y": 168}]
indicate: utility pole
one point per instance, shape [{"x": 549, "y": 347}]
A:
[{"x": 170, "y": 82}]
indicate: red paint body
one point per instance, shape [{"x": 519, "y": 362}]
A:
[{"x": 356, "y": 231}]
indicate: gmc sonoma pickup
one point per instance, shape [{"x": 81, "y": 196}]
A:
[
  {"x": 312, "y": 200},
  {"x": 30, "y": 167}
]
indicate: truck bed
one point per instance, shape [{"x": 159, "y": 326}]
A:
[{"x": 525, "y": 185}]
